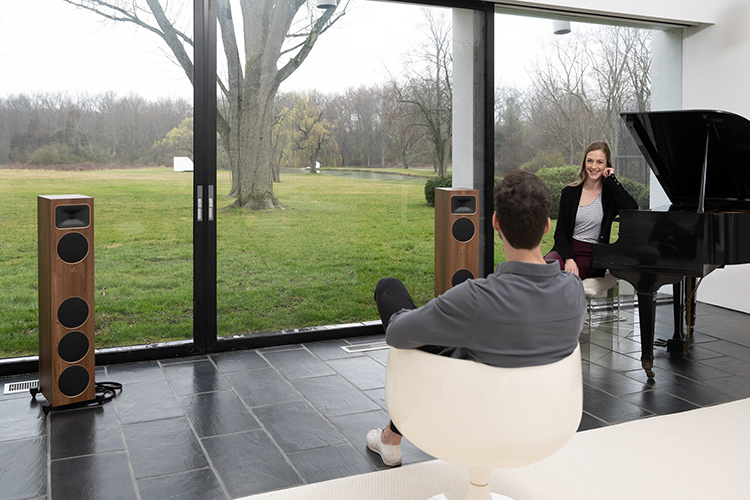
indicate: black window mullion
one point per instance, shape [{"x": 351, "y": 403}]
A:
[{"x": 204, "y": 177}]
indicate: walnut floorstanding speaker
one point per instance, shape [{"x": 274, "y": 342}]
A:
[
  {"x": 456, "y": 237},
  {"x": 66, "y": 298}
]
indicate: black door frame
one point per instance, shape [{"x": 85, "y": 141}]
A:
[{"x": 204, "y": 176}]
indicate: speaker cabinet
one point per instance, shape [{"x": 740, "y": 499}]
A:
[
  {"x": 456, "y": 237},
  {"x": 65, "y": 225}
]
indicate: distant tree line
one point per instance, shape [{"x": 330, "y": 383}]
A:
[{"x": 106, "y": 129}]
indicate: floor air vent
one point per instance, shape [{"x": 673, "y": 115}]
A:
[
  {"x": 372, "y": 346},
  {"x": 15, "y": 387}
]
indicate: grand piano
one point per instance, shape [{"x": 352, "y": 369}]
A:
[{"x": 702, "y": 160}]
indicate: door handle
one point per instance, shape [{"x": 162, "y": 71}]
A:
[{"x": 199, "y": 203}]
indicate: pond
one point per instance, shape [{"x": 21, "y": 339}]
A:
[{"x": 356, "y": 174}]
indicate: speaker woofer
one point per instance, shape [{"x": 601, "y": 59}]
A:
[
  {"x": 460, "y": 276},
  {"x": 73, "y": 381},
  {"x": 463, "y": 229},
  {"x": 73, "y": 247},
  {"x": 73, "y": 312},
  {"x": 73, "y": 346}
]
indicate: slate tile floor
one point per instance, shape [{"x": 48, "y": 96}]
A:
[{"x": 233, "y": 424}]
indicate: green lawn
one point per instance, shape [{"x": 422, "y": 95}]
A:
[{"x": 314, "y": 263}]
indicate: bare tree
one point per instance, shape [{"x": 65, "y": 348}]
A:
[
  {"x": 278, "y": 37},
  {"x": 429, "y": 87},
  {"x": 363, "y": 107},
  {"x": 510, "y": 138},
  {"x": 639, "y": 70},
  {"x": 280, "y": 141},
  {"x": 621, "y": 63},
  {"x": 560, "y": 103},
  {"x": 405, "y": 138},
  {"x": 585, "y": 81}
]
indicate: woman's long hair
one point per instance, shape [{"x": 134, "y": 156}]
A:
[{"x": 594, "y": 146}]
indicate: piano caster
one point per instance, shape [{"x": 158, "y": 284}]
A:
[{"x": 648, "y": 367}]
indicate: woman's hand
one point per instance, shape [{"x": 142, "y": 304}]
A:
[
  {"x": 608, "y": 171},
  {"x": 571, "y": 266}
]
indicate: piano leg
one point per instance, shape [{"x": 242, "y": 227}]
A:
[
  {"x": 677, "y": 343},
  {"x": 680, "y": 343},
  {"x": 690, "y": 310},
  {"x": 647, "y": 313}
]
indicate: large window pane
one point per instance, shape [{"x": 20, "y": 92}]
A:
[
  {"x": 95, "y": 107},
  {"x": 352, "y": 155}
]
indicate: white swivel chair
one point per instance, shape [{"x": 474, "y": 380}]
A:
[{"x": 483, "y": 417}]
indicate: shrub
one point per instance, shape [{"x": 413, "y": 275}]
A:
[
  {"x": 543, "y": 159},
  {"x": 637, "y": 191},
  {"x": 53, "y": 154},
  {"x": 435, "y": 182},
  {"x": 555, "y": 179}
]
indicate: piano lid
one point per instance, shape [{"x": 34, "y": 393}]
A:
[{"x": 674, "y": 144}]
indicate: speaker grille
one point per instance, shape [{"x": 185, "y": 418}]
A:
[
  {"x": 73, "y": 247},
  {"x": 73, "y": 312},
  {"x": 463, "y": 229},
  {"x": 460, "y": 276},
  {"x": 73, "y": 346},
  {"x": 73, "y": 381}
]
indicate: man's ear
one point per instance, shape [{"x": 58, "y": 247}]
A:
[
  {"x": 496, "y": 226},
  {"x": 548, "y": 226}
]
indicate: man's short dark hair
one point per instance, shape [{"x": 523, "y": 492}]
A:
[{"x": 522, "y": 204}]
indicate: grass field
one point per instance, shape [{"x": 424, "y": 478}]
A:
[{"x": 314, "y": 263}]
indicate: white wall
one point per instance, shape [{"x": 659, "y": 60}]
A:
[{"x": 717, "y": 76}]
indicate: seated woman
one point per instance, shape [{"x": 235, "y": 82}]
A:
[{"x": 587, "y": 208}]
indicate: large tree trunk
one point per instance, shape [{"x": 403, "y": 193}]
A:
[
  {"x": 254, "y": 178},
  {"x": 314, "y": 163}
]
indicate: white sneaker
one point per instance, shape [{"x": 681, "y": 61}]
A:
[{"x": 390, "y": 453}]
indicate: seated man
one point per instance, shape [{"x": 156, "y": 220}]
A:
[{"x": 528, "y": 312}]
